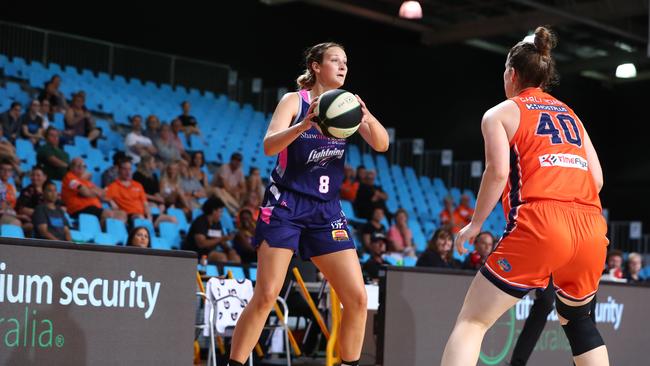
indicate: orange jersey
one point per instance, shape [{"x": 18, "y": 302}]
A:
[
  {"x": 131, "y": 199},
  {"x": 70, "y": 194},
  {"x": 548, "y": 160}
]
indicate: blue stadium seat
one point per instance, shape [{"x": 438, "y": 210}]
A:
[
  {"x": 117, "y": 229},
  {"x": 105, "y": 239},
  {"x": 212, "y": 270},
  {"x": 409, "y": 261},
  {"x": 237, "y": 272},
  {"x": 171, "y": 233},
  {"x": 160, "y": 243},
  {"x": 252, "y": 273},
  {"x": 11, "y": 231},
  {"x": 89, "y": 227},
  {"x": 183, "y": 225},
  {"x": 227, "y": 222},
  {"x": 146, "y": 223}
]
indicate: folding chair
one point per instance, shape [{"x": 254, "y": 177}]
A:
[{"x": 225, "y": 300}]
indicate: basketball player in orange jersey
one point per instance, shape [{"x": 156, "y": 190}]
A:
[{"x": 539, "y": 155}]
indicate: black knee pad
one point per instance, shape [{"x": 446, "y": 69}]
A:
[{"x": 580, "y": 330}]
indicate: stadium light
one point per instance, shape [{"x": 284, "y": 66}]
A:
[
  {"x": 626, "y": 71},
  {"x": 410, "y": 10}
]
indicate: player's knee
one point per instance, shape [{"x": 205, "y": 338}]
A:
[
  {"x": 580, "y": 330},
  {"x": 265, "y": 297},
  {"x": 358, "y": 301}
]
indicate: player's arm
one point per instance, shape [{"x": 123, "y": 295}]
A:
[
  {"x": 594, "y": 164},
  {"x": 372, "y": 130},
  {"x": 279, "y": 135},
  {"x": 497, "y": 156},
  {"x": 495, "y": 176}
]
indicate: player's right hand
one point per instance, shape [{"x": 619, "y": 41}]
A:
[
  {"x": 310, "y": 118},
  {"x": 468, "y": 233}
]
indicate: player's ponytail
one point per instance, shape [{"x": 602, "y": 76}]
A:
[{"x": 533, "y": 61}]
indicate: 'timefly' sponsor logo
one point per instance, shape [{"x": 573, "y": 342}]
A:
[
  {"x": 564, "y": 161},
  {"x": 324, "y": 156}
]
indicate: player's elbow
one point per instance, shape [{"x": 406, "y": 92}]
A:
[
  {"x": 382, "y": 147},
  {"x": 269, "y": 149},
  {"x": 496, "y": 173}
]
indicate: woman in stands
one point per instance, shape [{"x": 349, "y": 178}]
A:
[
  {"x": 139, "y": 237},
  {"x": 301, "y": 210},
  {"x": 536, "y": 148}
]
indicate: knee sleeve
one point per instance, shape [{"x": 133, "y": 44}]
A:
[{"x": 580, "y": 330}]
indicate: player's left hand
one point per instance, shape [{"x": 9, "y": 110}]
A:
[
  {"x": 468, "y": 233},
  {"x": 367, "y": 116}
]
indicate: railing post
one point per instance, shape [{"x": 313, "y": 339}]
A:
[
  {"x": 172, "y": 71},
  {"x": 111, "y": 59},
  {"x": 45, "y": 41}
]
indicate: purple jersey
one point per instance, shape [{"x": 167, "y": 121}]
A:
[{"x": 313, "y": 163}]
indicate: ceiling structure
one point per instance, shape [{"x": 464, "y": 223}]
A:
[{"x": 596, "y": 35}]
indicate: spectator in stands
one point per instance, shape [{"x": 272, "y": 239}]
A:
[
  {"x": 400, "y": 237},
  {"x": 31, "y": 123},
  {"x": 614, "y": 268},
  {"x": 243, "y": 242},
  {"x": 10, "y": 121},
  {"x": 153, "y": 127},
  {"x": 206, "y": 235},
  {"x": 484, "y": 243},
  {"x": 439, "y": 252},
  {"x": 464, "y": 211},
  {"x": 79, "y": 121},
  {"x": 168, "y": 150},
  {"x": 53, "y": 95},
  {"x": 171, "y": 190},
  {"x": 373, "y": 226},
  {"x": 32, "y": 195},
  {"x": 48, "y": 218},
  {"x": 136, "y": 143},
  {"x": 369, "y": 196},
  {"x": 8, "y": 214},
  {"x": 254, "y": 183},
  {"x": 190, "y": 124},
  {"x": 46, "y": 113},
  {"x": 377, "y": 250},
  {"x": 252, "y": 203},
  {"x": 448, "y": 218},
  {"x": 177, "y": 128},
  {"x": 191, "y": 187},
  {"x": 229, "y": 183},
  {"x": 634, "y": 266},
  {"x": 131, "y": 198},
  {"x": 139, "y": 237},
  {"x": 8, "y": 151},
  {"x": 110, "y": 175},
  {"x": 197, "y": 164},
  {"x": 80, "y": 195},
  {"x": 350, "y": 185},
  {"x": 53, "y": 159},
  {"x": 146, "y": 176},
  {"x": 361, "y": 173}
]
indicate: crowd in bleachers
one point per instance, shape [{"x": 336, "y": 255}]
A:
[{"x": 79, "y": 162}]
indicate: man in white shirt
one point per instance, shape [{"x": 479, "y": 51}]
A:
[{"x": 136, "y": 143}]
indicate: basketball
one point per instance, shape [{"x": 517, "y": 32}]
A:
[{"x": 339, "y": 113}]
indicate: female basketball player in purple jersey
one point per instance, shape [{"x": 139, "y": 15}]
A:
[{"x": 301, "y": 210}]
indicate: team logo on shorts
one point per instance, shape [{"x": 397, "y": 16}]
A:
[
  {"x": 340, "y": 235},
  {"x": 504, "y": 265}
]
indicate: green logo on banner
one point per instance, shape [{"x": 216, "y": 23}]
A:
[{"x": 28, "y": 331}]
